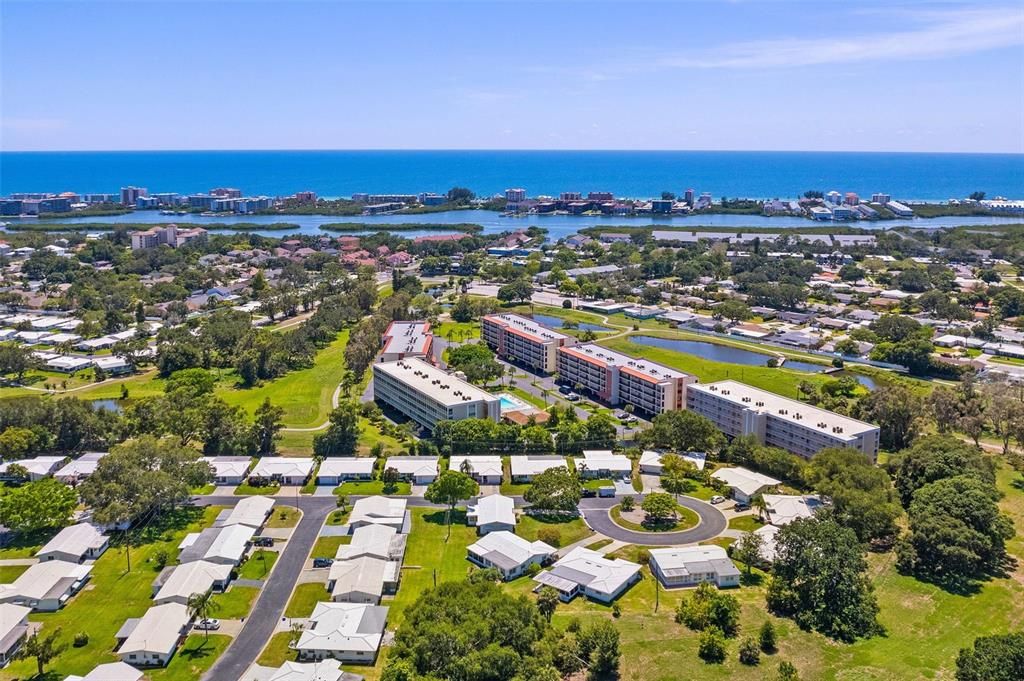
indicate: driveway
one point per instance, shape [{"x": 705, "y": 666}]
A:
[{"x": 712, "y": 523}]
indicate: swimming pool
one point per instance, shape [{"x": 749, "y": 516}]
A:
[{"x": 511, "y": 402}]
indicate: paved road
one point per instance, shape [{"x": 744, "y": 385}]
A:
[{"x": 712, "y": 523}]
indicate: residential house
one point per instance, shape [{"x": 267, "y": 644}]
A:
[
  {"x": 13, "y": 630},
  {"x": 150, "y": 640},
  {"x": 376, "y": 541},
  {"x": 74, "y": 544},
  {"x": 324, "y": 670},
  {"x": 334, "y": 471},
  {"x": 46, "y": 586},
  {"x": 419, "y": 470},
  {"x": 229, "y": 470},
  {"x": 283, "y": 470},
  {"x": 486, "y": 470},
  {"x": 362, "y": 580},
  {"x": 491, "y": 514},
  {"x": 604, "y": 464},
  {"x": 349, "y": 632},
  {"x": 38, "y": 468},
  {"x": 509, "y": 554},
  {"x": 690, "y": 565},
  {"x": 176, "y": 583},
  {"x": 744, "y": 484},
  {"x": 768, "y": 534},
  {"x": 251, "y": 511},
  {"x": 79, "y": 469},
  {"x": 785, "y": 508},
  {"x": 224, "y": 545},
  {"x": 650, "y": 460},
  {"x": 586, "y": 572},
  {"x": 378, "y": 510},
  {"x": 111, "y": 671},
  {"x": 525, "y": 467}
]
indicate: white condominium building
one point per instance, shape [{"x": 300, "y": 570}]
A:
[
  {"x": 620, "y": 379},
  {"x": 426, "y": 394},
  {"x": 407, "y": 339},
  {"x": 739, "y": 409},
  {"x": 524, "y": 341}
]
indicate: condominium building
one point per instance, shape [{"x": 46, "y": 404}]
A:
[
  {"x": 524, "y": 341},
  {"x": 129, "y": 195},
  {"x": 515, "y": 195},
  {"x": 739, "y": 409},
  {"x": 407, "y": 339},
  {"x": 171, "y": 235},
  {"x": 427, "y": 394},
  {"x": 617, "y": 379}
]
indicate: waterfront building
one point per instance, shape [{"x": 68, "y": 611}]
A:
[
  {"x": 600, "y": 196},
  {"x": 899, "y": 210},
  {"x": 740, "y": 409},
  {"x": 570, "y": 196},
  {"x": 204, "y": 201},
  {"x": 851, "y": 199},
  {"x": 99, "y": 198},
  {"x": 523, "y": 341},
  {"x": 515, "y": 195},
  {"x": 305, "y": 197},
  {"x": 662, "y": 206},
  {"x": 226, "y": 192},
  {"x": 170, "y": 235},
  {"x": 431, "y": 199},
  {"x": 10, "y": 207},
  {"x": 688, "y": 197},
  {"x": 147, "y": 202},
  {"x": 427, "y": 394},
  {"x": 129, "y": 195},
  {"x": 617, "y": 379},
  {"x": 833, "y": 197},
  {"x": 879, "y": 197},
  {"x": 407, "y": 339}
]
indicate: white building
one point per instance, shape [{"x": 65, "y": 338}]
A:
[
  {"x": 508, "y": 554},
  {"x": 335, "y": 471},
  {"x": 427, "y": 394},
  {"x": 650, "y": 460},
  {"x": 284, "y": 470},
  {"x": 785, "y": 508},
  {"x": 150, "y": 640},
  {"x": 111, "y": 671},
  {"x": 229, "y": 470},
  {"x": 376, "y": 541},
  {"x": 325, "y": 670},
  {"x": 349, "y": 632},
  {"x": 404, "y": 340},
  {"x": 13, "y": 630},
  {"x": 177, "y": 583},
  {"x": 486, "y": 470},
  {"x": 250, "y": 511},
  {"x": 80, "y": 468},
  {"x": 586, "y": 572},
  {"x": 378, "y": 510},
  {"x": 691, "y": 565},
  {"x": 740, "y": 409},
  {"x": 523, "y": 341},
  {"x": 225, "y": 545},
  {"x": 38, "y": 468},
  {"x": 599, "y": 463},
  {"x": 768, "y": 534},
  {"x": 75, "y": 544},
  {"x": 419, "y": 470},
  {"x": 744, "y": 484},
  {"x": 525, "y": 467},
  {"x": 491, "y": 514},
  {"x": 46, "y": 586},
  {"x": 362, "y": 580}
]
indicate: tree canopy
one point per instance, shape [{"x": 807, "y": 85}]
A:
[
  {"x": 39, "y": 505},
  {"x": 554, "y": 490}
]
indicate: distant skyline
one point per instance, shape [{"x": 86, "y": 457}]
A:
[{"x": 716, "y": 75}]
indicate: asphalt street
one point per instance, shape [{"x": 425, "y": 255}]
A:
[{"x": 712, "y": 523}]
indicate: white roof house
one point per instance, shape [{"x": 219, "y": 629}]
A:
[
  {"x": 217, "y": 544},
  {"x": 525, "y": 467},
  {"x": 582, "y": 571},
  {"x": 491, "y": 513},
  {"x": 744, "y": 483},
  {"x": 250, "y": 511},
  {"x": 509, "y": 554},
  {"x": 650, "y": 460},
  {"x": 80, "y": 468},
  {"x": 785, "y": 508},
  {"x": 362, "y": 580},
  {"x": 421, "y": 470},
  {"x": 74, "y": 544},
  {"x": 325, "y": 670},
  {"x": 691, "y": 565},
  {"x": 196, "y": 577},
  {"x": 111, "y": 671},
  {"x": 229, "y": 470},
  {"x": 378, "y": 510},
  {"x": 38, "y": 468},
  {"x": 288, "y": 470},
  {"x": 768, "y": 534},
  {"x": 334, "y": 471},
  {"x": 599, "y": 463},
  {"x": 487, "y": 470},
  {"x": 350, "y": 632},
  {"x": 13, "y": 629},
  {"x": 46, "y": 586},
  {"x": 376, "y": 541},
  {"x": 152, "y": 639}
]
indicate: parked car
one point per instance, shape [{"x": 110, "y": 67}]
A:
[
  {"x": 564, "y": 389},
  {"x": 606, "y": 492},
  {"x": 741, "y": 506},
  {"x": 323, "y": 562},
  {"x": 628, "y": 480},
  {"x": 572, "y": 397},
  {"x": 589, "y": 492},
  {"x": 263, "y": 541},
  {"x": 208, "y": 625},
  {"x": 717, "y": 499}
]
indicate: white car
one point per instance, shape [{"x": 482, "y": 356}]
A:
[
  {"x": 208, "y": 625},
  {"x": 717, "y": 499}
]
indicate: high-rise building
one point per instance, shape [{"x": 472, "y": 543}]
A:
[
  {"x": 570, "y": 196},
  {"x": 523, "y": 341},
  {"x": 851, "y": 199},
  {"x": 427, "y": 394},
  {"x": 226, "y": 192},
  {"x": 515, "y": 195},
  {"x": 129, "y": 195},
  {"x": 688, "y": 197},
  {"x": 600, "y": 196},
  {"x": 407, "y": 339},
  {"x": 880, "y": 197}
]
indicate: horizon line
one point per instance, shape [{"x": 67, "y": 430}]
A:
[{"x": 498, "y": 149}]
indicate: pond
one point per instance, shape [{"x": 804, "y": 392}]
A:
[
  {"x": 109, "y": 405},
  {"x": 558, "y": 322}
]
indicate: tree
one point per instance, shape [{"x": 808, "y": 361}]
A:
[
  {"x": 43, "y": 647},
  {"x": 734, "y": 310},
  {"x": 450, "y": 488},
  {"x": 766, "y": 637},
  {"x": 201, "y": 606},
  {"x": 547, "y": 601},
  {"x": 933, "y": 458},
  {"x": 390, "y": 478},
  {"x": 957, "y": 533},
  {"x": 711, "y": 646},
  {"x": 862, "y": 495},
  {"x": 787, "y": 672},
  {"x": 39, "y": 505},
  {"x": 266, "y": 424},
  {"x": 748, "y": 550},
  {"x": 659, "y": 507},
  {"x": 16, "y": 442},
  {"x": 683, "y": 431},
  {"x": 819, "y": 579},
  {"x": 992, "y": 658},
  {"x": 463, "y": 311},
  {"x": 518, "y": 291},
  {"x": 16, "y": 359},
  {"x": 708, "y": 607},
  {"x": 600, "y": 430},
  {"x": 750, "y": 654},
  {"x": 476, "y": 361},
  {"x": 555, "y": 489},
  {"x": 676, "y": 474},
  {"x": 897, "y": 411},
  {"x": 599, "y": 646},
  {"x": 342, "y": 435}
]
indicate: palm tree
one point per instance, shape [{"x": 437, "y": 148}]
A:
[
  {"x": 201, "y": 606},
  {"x": 759, "y": 504}
]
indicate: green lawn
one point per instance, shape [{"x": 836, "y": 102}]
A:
[
  {"x": 284, "y": 516},
  {"x": 236, "y": 602},
  {"x": 327, "y": 547},
  {"x": 277, "y": 651},
  {"x": 113, "y": 595},
  {"x": 600, "y": 543},
  {"x": 297, "y": 443},
  {"x": 205, "y": 489},
  {"x": 685, "y": 518},
  {"x": 338, "y": 517},
  {"x": 246, "y": 489},
  {"x": 9, "y": 573},
  {"x": 305, "y": 598},
  {"x": 745, "y": 523},
  {"x": 258, "y": 565},
  {"x": 514, "y": 490},
  {"x": 570, "y": 531},
  {"x": 193, "y": 658},
  {"x": 360, "y": 488},
  {"x": 25, "y": 545},
  {"x": 597, "y": 484},
  {"x": 459, "y": 330}
]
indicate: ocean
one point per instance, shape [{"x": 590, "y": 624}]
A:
[{"x": 753, "y": 174}]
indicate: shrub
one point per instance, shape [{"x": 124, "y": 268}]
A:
[
  {"x": 766, "y": 637},
  {"x": 750, "y": 654},
  {"x": 711, "y": 647},
  {"x": 616, "y": 610},
  {"x": 81, "y": 639},
  {"x": 627, "y": 503},
  {"x": 550, "y": 535},
  {"x": 567, "y": 304},
  {"x": 772, "y": 362},
  {"x": 161, "y": 556},
  {"x": 533, "y": 569}
]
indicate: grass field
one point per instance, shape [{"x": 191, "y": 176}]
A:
[
  {"x": 305, "y": 598},
  {"x": 569, "y": 531},
  {"x": 745, "y": 523},
  {"x": 358, "y": 488},
  {"x": 113, "y": 595},
  {"x": 236, "y": 602},
  {"x": 9, "y": 573},
  {"x": 327, "y": 547},
  {"x": 246, "y": 489},
  {"x": 284, "y": 516},
  {"x": 258, "y": 565},
  {"x": 277, "y": 651},
  {"x": 193, "y": 658},
  {"x": 25, "y": 545},
  {"x": 597, "y": 484},
  {"x": 685, "y": 518}
]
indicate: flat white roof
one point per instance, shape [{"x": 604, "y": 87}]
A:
[
  {"x": 368, "y": 540},
  {"x": 407, "y": 337},
  {"x": 684, "y": 560},
  {"x": 191, "y": 578},
  {"x": 494, "y": 508},
  {"x": 525, "y": 326},
  {"x": 324, "y": 670},
  {"x": 480, "y": 465},
  {"x": 41, "y": 465},
  {"x": 650, "y": 457},
  {"x": 602, "y": 355},
  {"x": 413, "y": 465},
  {"x": 592, "y": 570},
  {"x": 250, "y": 511},
  {"x": 785, "y": 508},
  {"x": 746, "y": 481},
  {"x": 344, "y": 627},
  {"x": 784, "y": 408},
  {"x": 12, "y": 617},
  {"x": 111, "y": 671},
  {"x": 532, "y": 465},
  {"x": 157, "y": 631},
  {"x": 229, "y": 466},
  {"x": 377, "y": 509},
  {"x": 365, "y": 574},
  {"x": 284, "y": 466},
  {"x": 82, "y": 466},
  {"x": 433, "y": 382},
  {"x": 334, "y": 466},
  {"x": 509, "y": 550},
  {"x": 48, "y": 579},
  {"x": 601, "y": 459},
  {"x": 75, "y": 540}
]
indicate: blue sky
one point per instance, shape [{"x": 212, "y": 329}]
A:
[{"x": 897, "y": 75}]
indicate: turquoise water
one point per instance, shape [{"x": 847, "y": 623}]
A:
[
  {"x": 509, "y": 403},
  {"x": 558, "y": 322},
  {"x": 760, "y": 174}
]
